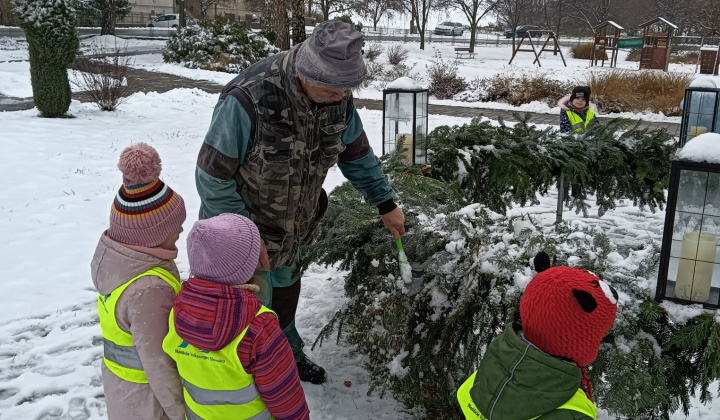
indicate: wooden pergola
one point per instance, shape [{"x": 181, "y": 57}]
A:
[
  {"x": 657, "y": 39},
  {"x": 605, "y": 43}
]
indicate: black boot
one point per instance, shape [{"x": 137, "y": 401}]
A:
[{"x": 310, "y": 372}]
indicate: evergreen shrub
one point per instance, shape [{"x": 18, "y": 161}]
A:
[
  {"x": 220, "y": 44},
  {"x": 501, "y": 165},
  {"x": 49, "y": 27},
  {"x": 475, "y": 264}
]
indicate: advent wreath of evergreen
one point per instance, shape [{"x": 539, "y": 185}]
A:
[{"x": 476, "y": 264}]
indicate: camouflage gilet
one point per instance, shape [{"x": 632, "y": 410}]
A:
[{"x": 295, "y": 144}]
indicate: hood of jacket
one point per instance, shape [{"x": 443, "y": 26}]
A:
[
  {"x": 210, "y": 315},
  {"x": 114, "y": 264},
  {"x": 516, "y": 380}
]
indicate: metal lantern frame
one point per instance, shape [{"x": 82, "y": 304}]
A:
[
  {"x": 690, "y": 119},
  {"x": 413, "y": 119},
  {"x": 662, "y": 289}
]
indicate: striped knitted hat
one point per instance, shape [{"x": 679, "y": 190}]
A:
[{"x": 146, "y": 212}]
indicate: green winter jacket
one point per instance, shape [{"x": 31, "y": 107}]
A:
[{"x": 517, "y": 381}]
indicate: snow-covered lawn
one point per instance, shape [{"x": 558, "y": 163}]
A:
[{"x": 59, "y": 179}]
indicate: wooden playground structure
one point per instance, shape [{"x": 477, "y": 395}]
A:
[
  {"x": 656, "y": 43},
  {"x": 605, "y": 44},
  {"x": 528, "y": 36}
]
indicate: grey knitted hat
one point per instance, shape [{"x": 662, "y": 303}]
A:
[{"x": 332, "y": 56}]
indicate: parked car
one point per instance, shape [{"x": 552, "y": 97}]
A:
[
  {"x": 171, "y": 20},
  {"x": 449, "y": 28},
  {"x": 520, "y": 31}
]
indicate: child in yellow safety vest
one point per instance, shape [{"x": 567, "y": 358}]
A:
[
  {"x": 576, "y": 111},
  {"x": 134, "y": 272},
  {"x": 537, "y": 370},
  {"x": 233, "y": 358}
]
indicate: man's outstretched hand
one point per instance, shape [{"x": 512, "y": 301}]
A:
[
  {"x": 395, "y": 222},
  {"x": 264, "y": 262}
]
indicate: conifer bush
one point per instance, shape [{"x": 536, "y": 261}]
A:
[
  {"x": 501, "y": 165},
  {"x": 220, "y": 44},
  {"x": 475, "y": 264},
  {"x": 49, "y": 27}
]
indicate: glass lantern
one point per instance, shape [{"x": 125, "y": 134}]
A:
[
  {"x": 405, "y": 119},
  {"x": 690, "y": 259},
  {"x": 700, "y": 110}
]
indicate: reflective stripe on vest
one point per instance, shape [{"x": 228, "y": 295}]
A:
[
  {"x": 215, "y": 384},
  {"x": 577, "y": 123},
  {"x": 579, "y": 402},
  {"x": 119, "y": 353}
]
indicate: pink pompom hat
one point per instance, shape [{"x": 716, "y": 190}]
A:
[{"x": 146, "y": 212}]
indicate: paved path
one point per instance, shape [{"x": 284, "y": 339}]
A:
[{"x": 147, "y": 81}]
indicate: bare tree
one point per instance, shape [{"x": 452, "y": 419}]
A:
[
  {"x": 419, "y": 12},
  {"x": 205, "y": 5},
  {"x": 592, "y": 12},
  {"x": 376, "y": 9},
  {"x": 474, "y": 10},
  {"x": 329, "y": 7},
  {"x": 511, "y": 13},
  {"x": 707, "y": 17}
]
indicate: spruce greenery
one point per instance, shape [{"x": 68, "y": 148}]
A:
[
  {"x": 49, "y": 27},
  {"x": 220, "y": 44},
  {"x": 502, "y": 165},
  {"x": 475, "y": 264}
]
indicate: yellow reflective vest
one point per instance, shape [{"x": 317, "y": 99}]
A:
[
  {"x": 576, "y": 123},
  {"x": 579, "y": 402},
  {"x": 215, "y": 384},
  {"x": 120, "y": 355}
]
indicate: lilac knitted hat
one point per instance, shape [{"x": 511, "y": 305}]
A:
[
  {"x": 146, "y": 212},
  {"x": 224, "y": 249}
]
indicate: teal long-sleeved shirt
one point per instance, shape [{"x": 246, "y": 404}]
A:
[{"x": 229, "y": 139}]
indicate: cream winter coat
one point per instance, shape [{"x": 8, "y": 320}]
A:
[{"x": 142, "y": 311}]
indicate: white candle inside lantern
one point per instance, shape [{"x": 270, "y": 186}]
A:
[
  {"x": 407, "y": 144},
  {"x": 695, "y": 268}
]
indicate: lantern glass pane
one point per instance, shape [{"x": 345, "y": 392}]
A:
[
  {"x": 398, "y": 122},
  {"x": 700, "y": 113},
  {"x": 694, "y": 264}
]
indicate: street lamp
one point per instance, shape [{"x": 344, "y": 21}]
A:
[
  {"x": 405, "y": 119},
  {"x": 689, "y": 259},
  {"x": 700, "y": 109}
]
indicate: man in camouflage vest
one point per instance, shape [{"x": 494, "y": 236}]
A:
[{"x": 277, "y": 129}]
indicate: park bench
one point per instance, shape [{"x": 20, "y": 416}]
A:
[{"x": 462, "y": 51}]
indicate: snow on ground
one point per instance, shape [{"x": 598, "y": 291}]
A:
[{"x": 57, "y": 193}]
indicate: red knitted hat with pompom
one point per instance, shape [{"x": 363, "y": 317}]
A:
[
  {"x": 146, "y": 212},
  {"x": 566, "y": 312}
]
